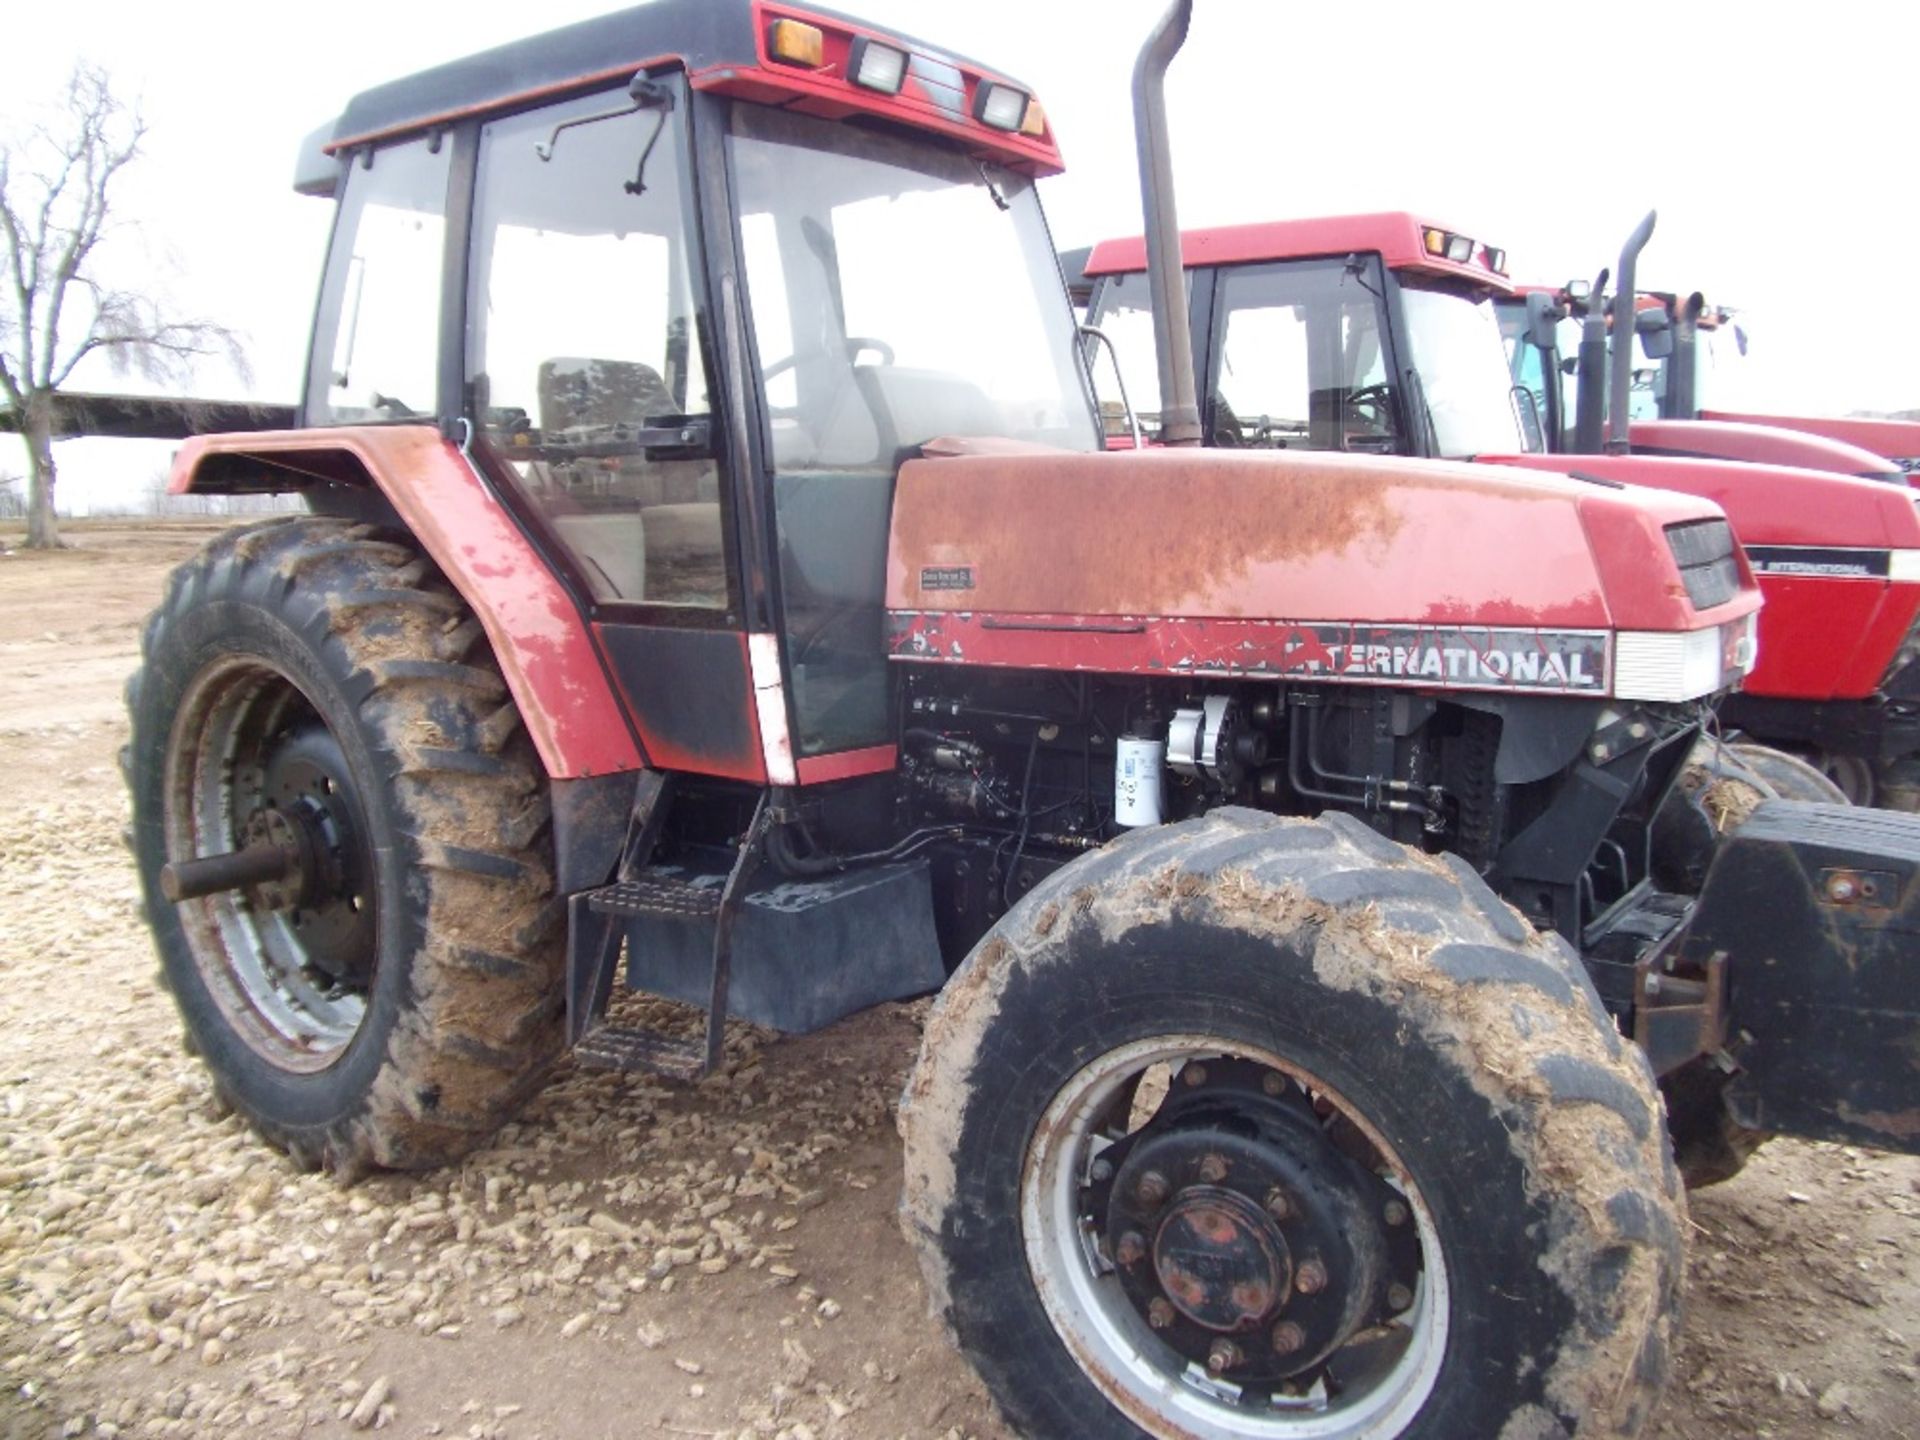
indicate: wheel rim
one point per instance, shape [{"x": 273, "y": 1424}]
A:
[
  {"x": 1251, "y": 1274},
  {"x": 289, "y": 962}
]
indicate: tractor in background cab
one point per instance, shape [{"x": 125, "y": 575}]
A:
[{"x": 691, "y": 601}]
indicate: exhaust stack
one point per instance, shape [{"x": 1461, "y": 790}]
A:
[
  {"x": 1590, "y": 368},
  {"x": 1166, "y": 280},
  {"x": 1624, "y": 312}
]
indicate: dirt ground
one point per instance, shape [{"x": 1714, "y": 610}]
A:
[{"x": 630, "y": 1258}]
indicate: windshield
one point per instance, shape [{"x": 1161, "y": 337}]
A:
[
  {"x": 1455, "y": 345},
  {"x": 899, "y": 293}
]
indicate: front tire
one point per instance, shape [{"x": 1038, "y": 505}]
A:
[
  {"x": 393, "y": 999},
  {"x": 1474, "y": 1113}
]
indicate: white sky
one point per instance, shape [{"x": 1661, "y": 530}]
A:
[{"x": 1776, "y": 142}]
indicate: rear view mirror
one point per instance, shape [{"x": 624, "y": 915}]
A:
[
  {"x": 1656, "y": 333},
  {"x": 1542, "y": 316}
]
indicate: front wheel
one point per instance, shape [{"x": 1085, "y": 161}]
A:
[{"x": 1253, "y": 1129}]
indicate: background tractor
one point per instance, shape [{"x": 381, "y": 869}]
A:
[{"x": 691, "y": 601}]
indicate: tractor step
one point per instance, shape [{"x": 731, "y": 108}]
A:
[
  {"x": 618, "y": 1047},
  {"x": 662, "y": 895}
]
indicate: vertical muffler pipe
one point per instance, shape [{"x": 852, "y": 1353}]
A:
[
  {"x": 1590, "y": 372},
  {"x": 1166, "y": 278},
  {"x": 1625, "y": 308},
  {"x": 1683, "y": 366}
]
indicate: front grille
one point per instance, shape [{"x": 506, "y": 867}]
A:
[{"x": 1704, "y": 551}]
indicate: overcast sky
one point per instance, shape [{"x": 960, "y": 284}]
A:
[{"x": 1776, "y": 143}]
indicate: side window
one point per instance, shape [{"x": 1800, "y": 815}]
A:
[
  {"x": 1123, "y": 310},
  {"x": 583, "y": 353},
  {"x": 1298, "y": 361},
  {"x": 377, "y": 344}
]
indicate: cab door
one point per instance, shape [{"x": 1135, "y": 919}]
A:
[{"x": 592, "y": 394}]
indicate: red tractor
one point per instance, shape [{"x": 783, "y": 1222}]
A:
[
  {"x": 1377, "y": 333},
  {"x": 1706, "y": 337},
  {"x": 690, "y": 600}
]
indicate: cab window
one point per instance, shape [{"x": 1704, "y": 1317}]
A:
[
  {"x": 584, "y": 357},
  {"x": 376, "y": 356},
  {"x": 1299, "y": 362}
]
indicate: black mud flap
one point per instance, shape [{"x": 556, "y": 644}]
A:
[{"x": 1814, "y": 912}]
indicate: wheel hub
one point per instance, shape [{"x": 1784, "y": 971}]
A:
[
  {"x": 308, "y": 803},
  {"x": 1243, "y": 1236},
  {"x": 1220, "y": 1260}
]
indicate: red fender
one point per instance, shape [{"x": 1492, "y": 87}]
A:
[{"x": 542, "y": 644}]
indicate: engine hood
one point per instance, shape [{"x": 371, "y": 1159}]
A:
[
  {"x": 1351, "y": 567},
  {"x": 1769, "y": 505},
  {"x": 1761, "y": 445},
  {"x": 1897, "y": 439},
  {"x": 1268, "y": 534}
]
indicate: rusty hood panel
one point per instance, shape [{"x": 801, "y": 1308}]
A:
[{"x": 1219, "y": 534}]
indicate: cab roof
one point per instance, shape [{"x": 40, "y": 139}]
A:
[
  {"x": 723, "y": 45},
  {"x": 1397, "y": 236}
]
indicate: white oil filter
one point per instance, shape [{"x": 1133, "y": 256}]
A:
[{"x": 1136, "y": 780}]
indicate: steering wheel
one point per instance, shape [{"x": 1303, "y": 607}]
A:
[
  {"x": 856, "y": 344},
  {"x": 1372, "y": 405}
]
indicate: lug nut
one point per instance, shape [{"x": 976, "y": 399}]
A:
[
  {"x": 1213, "y": 1169},
  {"x": 1278, "y": 1206},
  {"x": 1273, "y": 1084},
  {"x": 1394, "y": 1212},
  {"x": 1194, "y": 1074},
  {"x": 1160, "y": 1313},
  {"x": 1152, "y": 1188},
  {"x": 1288, "y": 1338},
  {"x": 1310, "y": 1278},
  {"x": 1399, "y": 1297},
  {"x": 1130, "y": 1249},
  {"x": 1101, "y": 1170},
  {"x": 1224, "y": 1355}
]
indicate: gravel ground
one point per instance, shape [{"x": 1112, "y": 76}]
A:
[{"x": 631, "y": 1257}]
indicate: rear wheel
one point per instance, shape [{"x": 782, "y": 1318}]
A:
[
  {"x": 1260, "y": 1128},
  {"x": 372, "y": 977}
]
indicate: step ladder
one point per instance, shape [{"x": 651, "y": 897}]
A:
[{"x": 596, "y": 927}]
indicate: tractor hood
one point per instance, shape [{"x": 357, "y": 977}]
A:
[
  {"x": 1760, "y": 445},
  {"x": 1347, "y": 567},
  {"x": 1769, "y": 505},
  {"x": 1899, "y": 440},
  {"x": 1837, "y": 558}
]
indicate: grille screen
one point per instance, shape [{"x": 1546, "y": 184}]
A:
[{"x": 1704, "y": 551}]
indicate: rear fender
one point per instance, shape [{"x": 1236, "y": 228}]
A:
[{"x": 539, "y": 637}]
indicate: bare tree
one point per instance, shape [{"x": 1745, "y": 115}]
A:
[{"x": 55, "y": 309}]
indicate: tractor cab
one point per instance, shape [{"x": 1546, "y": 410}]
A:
[
  {"x": 677, "y": 332},
  {"x": 1367, "y": 333}
]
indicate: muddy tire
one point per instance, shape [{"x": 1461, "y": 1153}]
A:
[
  {"x": 394, "y": 997},
  {"x": 1264, "y": 970},
  {"x": 1788, "y": 776}
]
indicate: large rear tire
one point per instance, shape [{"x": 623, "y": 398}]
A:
[
  {"x": 394, "y": 996},
  {"x": 1250, "y": 1128}
]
